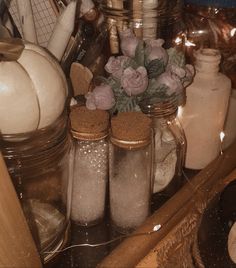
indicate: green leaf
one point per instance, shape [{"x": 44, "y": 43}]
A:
[
  {"x": 155, "y": 92},
  {"x": 139, "y": 54},
  {"x": 102, "y": 79},
  {"x": 155, "y": 68},
  {"x": 176, "y": 57},
  {"x": 126, "y": 103},
  {"x": 152, "y": 87},
  {"x": 114, "y": 83},
  {"x": 130, "y": 63}
]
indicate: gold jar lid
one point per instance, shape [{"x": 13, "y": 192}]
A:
[
  {"x": 88, "y": 124},
  {"x": 131, "y": 130}
]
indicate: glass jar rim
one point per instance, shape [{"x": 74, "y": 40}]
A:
[
  {"x": 89, "y": 136},
  {"x": 36, "y": 143},
  {"x": 159, "y": 107},
  {"x": 130, "y": 145}
]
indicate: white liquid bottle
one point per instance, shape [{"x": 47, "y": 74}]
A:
[{"x": 204, "y": 114}]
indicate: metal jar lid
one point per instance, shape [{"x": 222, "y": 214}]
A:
[
  {"x": 131, "y": 130},
  {"x": 89, "y": 124}
]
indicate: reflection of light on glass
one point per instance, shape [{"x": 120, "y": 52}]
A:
[
  {"x": 178, "y": 40},
  {"x": 232, "y": 32},
  {"x": 198, "y": 32},
  {"x": 180, "y": 111},
  {"x": 222, "y": 135},
  {"x": 189, "y": 44},
  {"x": 157, "y": 227},
  {"x": 3, "y": 87}
]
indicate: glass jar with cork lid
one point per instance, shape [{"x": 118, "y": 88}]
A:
[
  {"x": 90, "y": 130},
  {"x": 130, "y": 170}
]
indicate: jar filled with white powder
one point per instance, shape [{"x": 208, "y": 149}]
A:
[
  {"x": 169, "y": 145},
  {"x": 130, "y": 170},
  {"x": 90, "y": 130}
]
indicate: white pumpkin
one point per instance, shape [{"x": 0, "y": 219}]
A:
[{"x": 33, "y": 91}]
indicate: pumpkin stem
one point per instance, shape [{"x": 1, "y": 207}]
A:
[{"x": 11, "y": 49}]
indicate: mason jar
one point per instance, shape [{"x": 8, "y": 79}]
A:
[
  {"x": 150, "y": 19},
  {"x": 40, "y": 164},
  {"x": 169, "y": 145},
  {"x": 130, "y": 172},
  {"x": 90, "y": 130}
]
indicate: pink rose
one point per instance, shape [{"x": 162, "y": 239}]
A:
[
  {"x": 129, "y": 43},
  {"x": 174, "y": 69},
  {"x": 189, "y": 70},
  {"x": 171, "y": 81},
  {"x": 184, "y": 74},
  {"x": 154, "y": 50},
  {"x": 133, "y": 81},
  {"x": 115, "y": 65},
  {"x": 101, "y": 97}
]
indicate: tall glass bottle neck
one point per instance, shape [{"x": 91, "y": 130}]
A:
[{"x": 207, "y": 60}]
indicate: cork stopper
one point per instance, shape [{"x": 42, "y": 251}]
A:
[
  {"x": 131, "y": 130},
  {"x": 89, "y": 124}
]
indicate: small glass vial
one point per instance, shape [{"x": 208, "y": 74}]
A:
[
  {"x": 130, "y": 170},
  {"x": 90, "y": 130},
  {"x": 40, "y": 164},
  {"x": 169, "y": 145}
]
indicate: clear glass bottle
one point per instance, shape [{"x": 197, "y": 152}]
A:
[
  {"x": 40, "y": 165},
  {"x": 90, "y": 130},
  {"x": 130, "y": 170},
  {"x": 150, "y": 19},
  {"x": 212, "y": 24},
  {"x": 169, "y": 146}
]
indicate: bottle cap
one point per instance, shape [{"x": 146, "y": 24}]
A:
[
  {"x": 89, "y": 124},
  {"x": 131, "y": 130},
  {"x": 213, "y": 3}
]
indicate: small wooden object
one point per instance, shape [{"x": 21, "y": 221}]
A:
[
  {"x": 17, "y": 248},
  {"x": 81, "y": 78}
]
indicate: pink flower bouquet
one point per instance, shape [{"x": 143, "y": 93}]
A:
[{"x": 145, "y": 70}]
